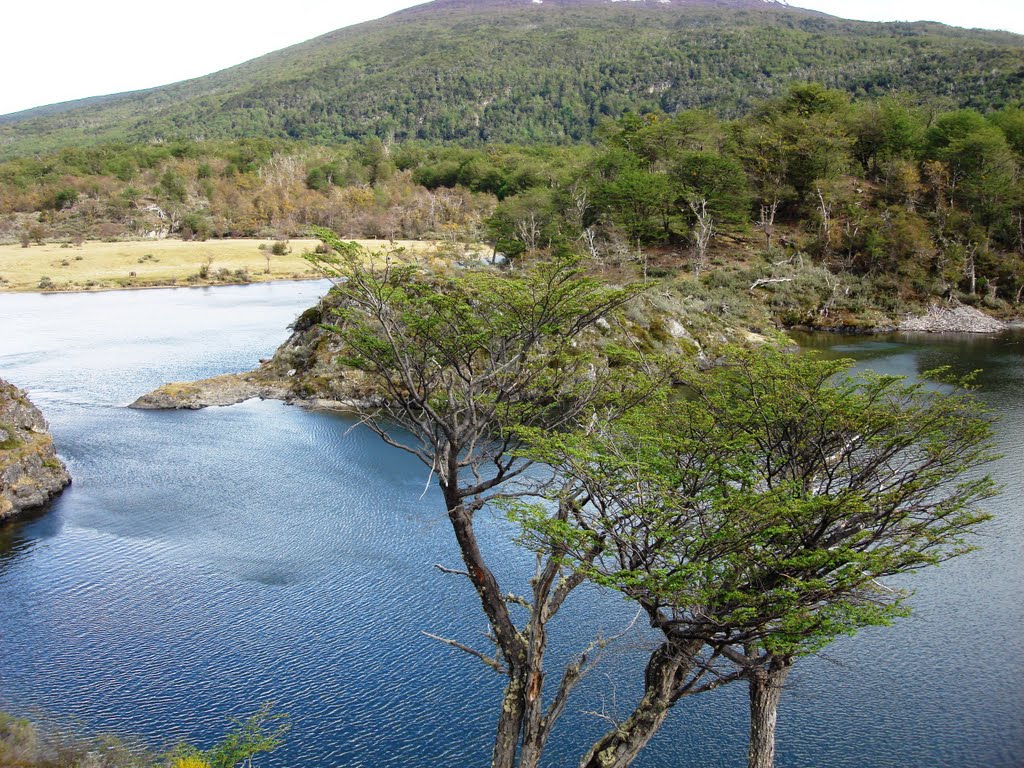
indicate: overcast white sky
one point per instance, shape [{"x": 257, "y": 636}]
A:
[{"x": 68, "y": 49}]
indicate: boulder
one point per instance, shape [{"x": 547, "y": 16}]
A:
[{"x": 30, "y": 472}]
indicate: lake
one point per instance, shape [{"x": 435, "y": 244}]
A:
[{"x": 205, "y": 562}]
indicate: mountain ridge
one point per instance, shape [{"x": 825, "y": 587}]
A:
[{"x": 520, "y": 70}]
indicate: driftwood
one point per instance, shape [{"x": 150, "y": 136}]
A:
[{"x": 768, "y": 281}]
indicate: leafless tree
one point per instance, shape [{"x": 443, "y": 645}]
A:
[
  {"x": 703, "y": 231},
  {"x": 766, "y": 224}
]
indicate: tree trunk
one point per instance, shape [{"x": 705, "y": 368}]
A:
[
  {"x": 619, "y": 747},
  {"x": 534, "y": 722},
  {"x": 765, "y": 692},
  {"x": 510, "y": 722},
  {"x": 510, "y": 642},
  {"x": 666, "y": 669}
]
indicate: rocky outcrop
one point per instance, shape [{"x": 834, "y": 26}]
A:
[
  {"x": 302, "y": 371},
  {"x": 218, "y": 390},
  {"x": 30, "y": 472},
  {"x": 305, "y": 370},
  {"x": 957, "y": 318}
]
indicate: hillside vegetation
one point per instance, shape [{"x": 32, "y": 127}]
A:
[
  {"x": 817, "y": 210},
  {"x": 522, "y": 72}
]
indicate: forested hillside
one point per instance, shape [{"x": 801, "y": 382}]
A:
[
  {"x": 846, "y": 212},
  {"x": 523, "y": 72}
]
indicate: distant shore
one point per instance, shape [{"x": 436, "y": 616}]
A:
[{"x": 168, "y": 263}]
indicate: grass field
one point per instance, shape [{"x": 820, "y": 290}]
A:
[{"x": 151, "y": 263}]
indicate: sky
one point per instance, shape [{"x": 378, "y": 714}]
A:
[{"x": 69, "y": 49}]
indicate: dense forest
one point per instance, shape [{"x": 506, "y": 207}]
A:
[
  {"x": 879, "y": 205},
  {"x": 523, "y": 73}
]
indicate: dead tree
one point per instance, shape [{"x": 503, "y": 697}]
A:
[
  {"x": 766, "y": 224},
  {"x": 703, "y": 231}
]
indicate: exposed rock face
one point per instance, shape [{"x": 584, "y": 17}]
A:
[
  {"x": 953, "y": 319},
  {"x": 30, "y": 472},
  {"x": 302, "y": 371},
  {"x": 218, "y": 390}
]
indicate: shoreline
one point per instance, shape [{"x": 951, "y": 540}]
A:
[
  {"x": 162, "y": 286},
  {"x": 96, "y": 266}
]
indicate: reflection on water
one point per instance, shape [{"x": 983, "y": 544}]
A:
[{"x": 206, "y": 561}]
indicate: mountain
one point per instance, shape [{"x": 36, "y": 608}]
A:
[{"x": 539, "y": 71}]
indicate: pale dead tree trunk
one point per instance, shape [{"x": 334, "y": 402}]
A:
[
  {"x": 703, "y": 231},
  {"x": 834, "y": 284},
  {"x": 589, "y": 239},
  {"x": 432, "y": 214},
  {"x": 765, "y": 688},
  {"x": 1020, "y": 233},
  {"x": 528, "y": 231},
  {"x": 971, "y": 269},
  {"x": 579, "y": 204},
  {"x": 993, "y": 288},
  {"x": 825, "y": 209},
  {"x": 767, "y": 222},
  {"x": 768, "y": 281}
]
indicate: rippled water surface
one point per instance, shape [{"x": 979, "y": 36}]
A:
[{"x": 204, "y": 562}]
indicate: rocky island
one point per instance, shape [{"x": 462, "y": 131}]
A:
[
  {"x": 30, "y": 472},
  {"x": 305, "y": 370}
]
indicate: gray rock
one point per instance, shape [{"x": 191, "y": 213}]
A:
[
  {"x": 227, "y": 389},
  {"x": 30, "y": 472}
]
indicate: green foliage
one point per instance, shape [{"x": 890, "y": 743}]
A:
[
  {"x": 195, "y": 226},
  {"x": 64, "y": 198},
  {"x": 766, "y": 507},
  {"x": 172, "y": 186},
  {"x": 259, "y": 734},
  {"x": 639, "y": 201},
  {"x": 718, "y": 179},
  {"x": 516, "y": 73},
  {"x": 862, "y": 186}
]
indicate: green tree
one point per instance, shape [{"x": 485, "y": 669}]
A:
[
  {"x": 640, "y": 202},
  {"x": 753, "y": 523},
  {"x": 1011, "y": 122},
  {"x": 883, "y": 131},
  {"x": 983, "y": 172},
  {"x": 260, "y": 733},
  {"x": 460, "y": 366},
  {"x": 719, "y": 180}
]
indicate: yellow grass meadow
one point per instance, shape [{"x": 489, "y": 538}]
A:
[{"x": 151, "y": 263}]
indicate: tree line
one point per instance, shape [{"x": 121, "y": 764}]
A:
[{"x": 912, "y": 202}]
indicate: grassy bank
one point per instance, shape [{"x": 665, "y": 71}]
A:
[{"x": 152, "y": 263}]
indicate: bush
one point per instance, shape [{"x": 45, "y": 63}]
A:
[{"x": 64, "y": 198}]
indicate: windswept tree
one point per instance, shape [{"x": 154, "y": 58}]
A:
[
  {"x": 755, "y": 522},
  {"x": 462, "y": 365}
]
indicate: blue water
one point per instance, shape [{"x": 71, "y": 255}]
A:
[{"x": 205, "y": 562}]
